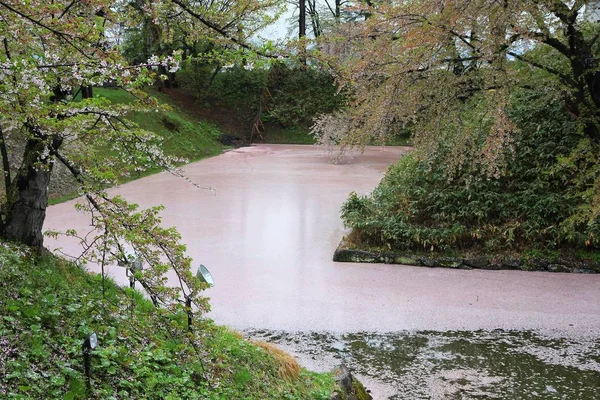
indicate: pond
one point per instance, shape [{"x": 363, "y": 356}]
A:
[
  {"x": 493, "y": 364},
  {"x": 267, "y": 233}
]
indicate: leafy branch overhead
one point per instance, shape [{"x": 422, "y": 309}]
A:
[
  {"x": 420, "y": 61},
  {"x": 455, "y": 75}
]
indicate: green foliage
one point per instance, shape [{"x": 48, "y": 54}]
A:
[
  {"x": 298, "y": 95},
  {"x": 289, "y": 96},
  {"x": 139, "y": 45},
  {"x": 196, "y": 76},
  {"x": 423, "y": 204},
  {"x": 240, "y": 89},
  {"x": 287, "y": 135},
  {"x": 181, "y": 136},
  {"x": 49, "y": 306}
]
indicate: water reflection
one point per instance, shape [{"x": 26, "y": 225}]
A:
[
  {"x": 268, "y": 234},
  {"x": 460, "y": 364}
]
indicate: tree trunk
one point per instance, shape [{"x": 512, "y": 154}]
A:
[
  {"x": 28, "y": 196},
  {"x": 302, "y": 31},
  {"x": 302, "y": 19},
  {"x": 86, "y": 92},
  {"x": 314, "y": 17}
]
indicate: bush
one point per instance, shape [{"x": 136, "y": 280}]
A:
[
  {"x": 240, "y": 89},
  {"x": 420, "y": 204},
  {"x": 299, "y": 95},
  {"x": 289, "y": 96}
]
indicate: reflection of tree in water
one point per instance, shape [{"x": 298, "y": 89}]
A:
[{"x": 455, "y": 365}]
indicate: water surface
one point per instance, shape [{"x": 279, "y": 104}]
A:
[
  {"x": 268, "y": 232},
  {"x": 455, "y": 364}
]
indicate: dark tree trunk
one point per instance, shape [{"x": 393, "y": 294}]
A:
[
  {"x": 583, "y": 65},
  {"x": 302, "y": 19},
  {"x": 302, "y": 30},
  {"x": 28, "y": 196},
  {"x": 86, "y": 92},
  {"x": 170, "y": 81}
]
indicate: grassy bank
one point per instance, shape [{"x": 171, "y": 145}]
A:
[
  {"x": 184, "y": 134},
  {"x": 48, "y": 307}
]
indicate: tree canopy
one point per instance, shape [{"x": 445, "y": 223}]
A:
[
  {"x": 456, "y": 74},
  {"x": 51, "y": 53}
]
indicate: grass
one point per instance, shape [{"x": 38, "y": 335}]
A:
[
  {"x": 48, "y": 306},
  {"x": 184, "y": 135},
  {"x": 289, "y": 368},
  {"x": 291, "y": 135}
]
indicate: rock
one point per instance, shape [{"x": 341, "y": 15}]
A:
[
  {"x": 586, "y": 271},
  {"x": 591, "y": 265},
  {"x": 347, "y": 255},
  {"x": 536, "y": 264},
  {"x": 406, "y": 260},
  {"x": 428, "y": 262},
  {"x": 477, "y": 262},
  {"x": 385, "y": 258},
  {"x": 340, "y": 255},
  {"x": 512, "y": 263},
  {"x": 558, "y": 268},
  {"x": 349, "y": 387},
  {"x": 493, "y": 267},
  {"x": 450, "y": 262}
]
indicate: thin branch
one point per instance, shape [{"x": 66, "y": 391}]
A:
[
  {"x": 220, "y": 30},
  {"x": 6, "y": 50},
  {"x": 565, "y": 78},
  {"x": 60, "y": 34},
  {"x": 5, "y": 162},
  {"x": 66, "y": 10}
]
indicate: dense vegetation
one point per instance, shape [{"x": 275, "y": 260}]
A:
[
  {"x": 506, "y": 122},
  {"x": 420, "y": 205},
  {"x": 271, "y": 100},
  {"x": 181, "y": 135},
  {"x": 48, "y": 307}
]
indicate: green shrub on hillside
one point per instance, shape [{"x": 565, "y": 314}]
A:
[
  {"x": 299, "y": 95},
  {"x": 240, "y": 89},
  {"x": 289, "y": 96}
]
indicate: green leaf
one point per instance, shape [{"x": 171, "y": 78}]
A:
[
  {"x": 69, "y": 396},
  {"x": 57, "y": 380}
]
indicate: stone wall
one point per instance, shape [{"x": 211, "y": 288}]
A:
[{"x": 344, "y": 253}]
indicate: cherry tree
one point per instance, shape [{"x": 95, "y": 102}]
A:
[
  {"x": 49, "y": 53},
  {"x": 450, "y": 71},
  {"x": 416, "y": 63}
]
